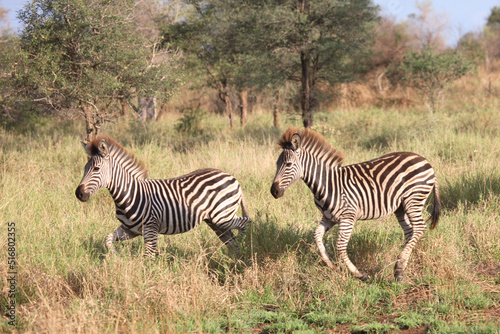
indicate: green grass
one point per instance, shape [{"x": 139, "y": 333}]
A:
[{"x": 278, "y": 283}]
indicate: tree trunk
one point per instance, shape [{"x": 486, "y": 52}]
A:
[
  {"x": 147, "y": 108},
  {"x": 91, "y": 122},
  {"x": 276, "y": 115},
  {"x": 124, "y": 107},
  {"x": 244, "y": 107},
  {"x": 306, "y": 94},
  {"x": 229, "y": 109}
]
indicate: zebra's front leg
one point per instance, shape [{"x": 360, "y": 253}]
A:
[
  {"x": 121, "y": 234},
  {"x": 151, "y": 230},
  {"x": 345, "y": 231},
  {"x": 323, "y": 227}
]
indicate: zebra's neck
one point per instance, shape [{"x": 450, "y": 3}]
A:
[
  {"x": 318, "y": 174},
  {"x": 124, "y": 187}
]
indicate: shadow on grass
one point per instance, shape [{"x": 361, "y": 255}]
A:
[
  {"x": 368, "y": 247},
  {"x": 266, "y": 240},
  {"x": 470, "y": 189},
  {"x": 271, "y": 239},
  {"x": 96, "y": 248}
]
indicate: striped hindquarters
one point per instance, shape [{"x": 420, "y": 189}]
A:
[{"x": 380, "y": 186}]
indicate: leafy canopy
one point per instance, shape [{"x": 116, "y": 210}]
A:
[
  {"x": 430, "y": 72},
  {"x": 77, "y": 52}
]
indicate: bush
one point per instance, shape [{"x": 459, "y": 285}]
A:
[
  {"x": 191, "y": 120},
  {"x": 430, "y": 72}
]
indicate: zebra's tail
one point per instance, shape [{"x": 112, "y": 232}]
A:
[
  {"x": 243, "y": 207},
  {"x": 436, "y": 211}
]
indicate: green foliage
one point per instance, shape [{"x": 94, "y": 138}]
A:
[
  {"x": 191, "y": 121},
  {"x": 373, "y": 328},
  {"x": 410, "y": 320},
  {"x": 87, "y": 54},
  {"x": 311, "y": 42},
  {"x": 262, "y": 45},
  {"x": 494, "y": 18},
  {"x": 430, "y": 72},
  {"x": 471, "y": 47}
]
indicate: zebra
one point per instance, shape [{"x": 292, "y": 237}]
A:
[
  {"x": 398, "y": 183},
  {"x": 150, "y": 207}
]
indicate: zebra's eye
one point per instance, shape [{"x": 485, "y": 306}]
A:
[
  {"x": 96, "y": 169},
  {"x": 288, "y": 164}
]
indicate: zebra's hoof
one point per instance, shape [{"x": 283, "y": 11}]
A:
[
  {"x": 399, "y": 279},
  {"x": 362, "y": 276},
  {"x": 112, "y": 252}
]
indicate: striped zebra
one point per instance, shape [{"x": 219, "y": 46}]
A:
[
  {"x": 150, "y": 207},
  {"x": 398, "y": 183}
]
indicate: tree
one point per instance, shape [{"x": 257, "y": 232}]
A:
[
  {"x": 262, "y": 44},
  {"x": 428, "y": 27},
  {"x": 430, "y": 72},
  {"x": 311, "y": 41},
  {"x": 8, "y": 44},
  {"x": 494, "y": 18},
  {"x": 85, "y": 55},
  {"x": 208, "y": 35}
]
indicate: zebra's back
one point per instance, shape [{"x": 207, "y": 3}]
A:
[{"x": 378, "y": 187}]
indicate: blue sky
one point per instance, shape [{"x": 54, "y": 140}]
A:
[{"x": 464, "y": 15}]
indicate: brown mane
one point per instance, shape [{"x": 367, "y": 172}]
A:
[
  {"x": 116, "y": 149},
  {"x": 313, "y": 143}
]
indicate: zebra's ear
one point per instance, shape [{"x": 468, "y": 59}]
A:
[
  {"x": 295, "y": 141},
  {"x": 103, "y": 148},
  {"x": 85, "y": 145}
]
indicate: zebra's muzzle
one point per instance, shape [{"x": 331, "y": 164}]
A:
[
  {"x": 276, "y": 191},
  {"x": 81, "y": 194}
]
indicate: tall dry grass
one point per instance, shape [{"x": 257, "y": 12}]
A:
[{"x": 68, "y": 283}]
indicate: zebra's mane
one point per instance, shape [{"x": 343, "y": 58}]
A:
[
  {"x": 314, "y": 143},
  {"x": 136, "y": 166}
]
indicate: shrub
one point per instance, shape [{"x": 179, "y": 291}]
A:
[
  {"x": 191, "y": 120},
  {"x": 430, "y": 72}
]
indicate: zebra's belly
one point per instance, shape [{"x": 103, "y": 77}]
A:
[
  {"x": 166, "y": 226},
  {"x": 132, "y": 226},
  {"x": 348, "y": 211},
  {"x": 171, "y": 228}
]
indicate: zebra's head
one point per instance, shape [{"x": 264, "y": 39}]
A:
[
  {"x": 97, "y": 170},
  {"x": 289, "y": 168}
]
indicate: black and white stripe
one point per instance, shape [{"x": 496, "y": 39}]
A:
[
  {"x": 398, "y": 183},
  {"x": 150, "y": 207}
]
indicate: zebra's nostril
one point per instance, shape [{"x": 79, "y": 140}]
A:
[
  {"x": 275, "y": 190},
  {"x": 80, "y": 193}
]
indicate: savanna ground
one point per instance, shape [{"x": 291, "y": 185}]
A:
[{"x": 66, "y": 282}]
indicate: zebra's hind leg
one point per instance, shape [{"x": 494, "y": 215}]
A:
[
  {"x": 404, "y": 222},
  {"x": 410, "y": 219},
  {"x": 121, "y": 234},
  {"x": 240, "y": 224},
  {"x": 225, "y": 235},
  {"x": 224, "y": 232}
]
